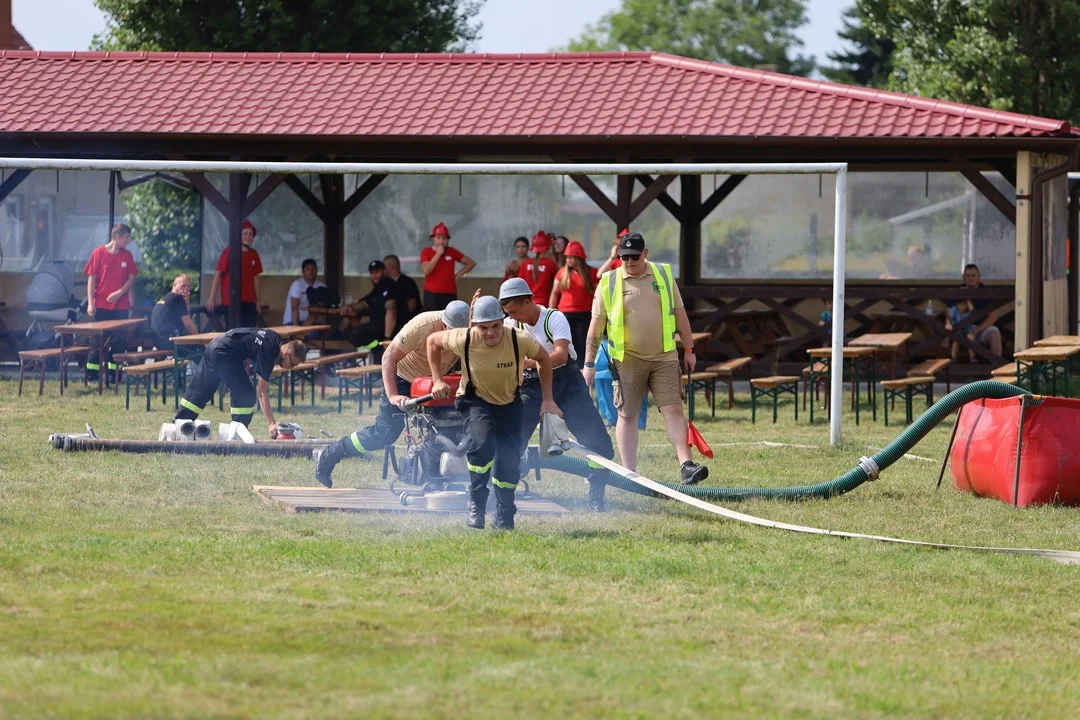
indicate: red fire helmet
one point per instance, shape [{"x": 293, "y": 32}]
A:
[{"x": 440, "y": 229}]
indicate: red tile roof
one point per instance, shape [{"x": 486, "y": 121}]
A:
[{"x": 561, "y": 94}]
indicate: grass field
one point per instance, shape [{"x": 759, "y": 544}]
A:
[{"x": 154, "y": 586}]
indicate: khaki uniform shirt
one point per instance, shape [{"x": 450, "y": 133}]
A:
[
  {"x": 411, "y": 341},
  {"x": 644, "y": 331},
  {"x": 497, "y": 376}
]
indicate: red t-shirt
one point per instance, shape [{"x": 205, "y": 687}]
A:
[
  {"x": 250, "y": 266},
  {"x": 441, "y": 279},
  {"x": 545, "y": 278},
  {"x": 576, "y": 298},
  {"x": 112, "y": 270}
]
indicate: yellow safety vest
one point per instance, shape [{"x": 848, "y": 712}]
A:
[{"x": 611, "y": 289}]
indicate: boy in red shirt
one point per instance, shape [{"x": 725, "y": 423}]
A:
[
  {"x": 540, "y": 271},
  {"x": 250, "y": 269},
  {"x": 572, "y": 294},
  {"x": 110, "y": 274},
  {"x": 438, "y": 263}
]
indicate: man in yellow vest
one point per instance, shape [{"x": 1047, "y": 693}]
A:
[{"x": 641, "y": 308}]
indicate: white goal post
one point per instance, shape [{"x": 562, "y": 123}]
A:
[{"x": 496, "y": 168}]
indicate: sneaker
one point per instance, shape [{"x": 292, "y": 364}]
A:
[{"x": 692, "y": 473}]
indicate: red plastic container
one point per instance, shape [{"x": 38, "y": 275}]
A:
[
  {"x": 421, "y": 386},
  {"x": 1023, "y": 451}
]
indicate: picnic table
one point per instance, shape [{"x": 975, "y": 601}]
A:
[
  {"x": 695, "y": 337},
  {"x": 1043, "y": 363},
  {"x": 891, "y": 344},
  {"x": 851, "y": 356},
  {"x": 101, "y": 329}
]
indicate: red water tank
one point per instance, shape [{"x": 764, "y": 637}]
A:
[
  {"x": 1020, "y": 450},
  {"x": 422, "y": 386}
]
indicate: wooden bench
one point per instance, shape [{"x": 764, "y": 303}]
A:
[
  {"x": 324, "y": 362},
  {"x": 122, "y": 360},
  {"x": 773, "y": 386},
  {"x": 362, "y": 378},
  {"x": 725, "y": 372},
  {"x": 39, "y": 359},
  {"x": 933, "y": 368},
  {"x": 305, "y": 371},
  {"x": 152, "y": 370},
  {"x": 705, "y": 381},
  {"x": 905, "y": 388}
]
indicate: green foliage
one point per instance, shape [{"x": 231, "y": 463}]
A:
[
  {"x": 288, "y": 25},
  {"x": 747, "y": 33},
  {"x": 869, "y": 59},
  {"x": 151, "y": 284},
  {"x": 164, "y": 222},
  {"x": 1016, "y": 55}
]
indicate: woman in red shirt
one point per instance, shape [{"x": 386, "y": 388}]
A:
[
  {"x": 558, "y": 249},
  {"x": 539, "y": 272},
  {"x": 250, "y": 269},
  {"x": 438, "y": 263},
  {"x": 521, "y": 254},
  {"x": 572, "y": 294}
]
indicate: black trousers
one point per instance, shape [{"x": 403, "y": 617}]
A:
[
  {"x": 386, "y": 429},
  {"x": 214, "y": 369},
  {"x": 579, "y": 329},
  {"x": 249, "y": 314},
  {"x": 437, "y": 301},
  {"x": 572, "y": 396},
  {"x": 494, "y": 433},
  {"x": 93, "y": 361}
]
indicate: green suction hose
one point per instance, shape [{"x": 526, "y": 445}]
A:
[{"x": 845, "y": 483}]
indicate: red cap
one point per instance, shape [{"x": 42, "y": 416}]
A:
[
  {"x": 440, "y": 229},
  {"x": 541, "y": 242},
  {"x": 247, "y": 225},
  {"x": 575, "y": 249}
]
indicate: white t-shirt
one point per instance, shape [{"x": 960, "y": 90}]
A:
[
  {"x": 550, "y": 321},
  {"x": 298, "y": 289}
]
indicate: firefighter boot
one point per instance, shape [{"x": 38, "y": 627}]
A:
[
  {"x": 326, "y": 459},
  {"x": 477, "y": 505},
  {"x": 594, "y": 501},
  {"x": 504, "y": 509}
]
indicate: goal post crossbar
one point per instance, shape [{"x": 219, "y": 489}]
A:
[{"x": 509, "y": 168}]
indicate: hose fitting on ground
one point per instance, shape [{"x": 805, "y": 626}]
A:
[{"x": 869, "y": 467}]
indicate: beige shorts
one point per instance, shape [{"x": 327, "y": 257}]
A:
[{"x": 637, "y": 376}]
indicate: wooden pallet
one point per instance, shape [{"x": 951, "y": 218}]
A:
[{"x": 313, "y": 499}]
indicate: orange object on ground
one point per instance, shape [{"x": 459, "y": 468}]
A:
[
  {"x": 421, "y": 386},
  {"x": 1037, "y": 432}
]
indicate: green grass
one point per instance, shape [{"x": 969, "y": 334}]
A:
[{"x": 154, "y": 586}]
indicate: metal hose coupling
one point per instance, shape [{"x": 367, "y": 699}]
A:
[{"x": 868, "y": 466}]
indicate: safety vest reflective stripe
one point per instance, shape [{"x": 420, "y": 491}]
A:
[{"x": 611, "y": 285}]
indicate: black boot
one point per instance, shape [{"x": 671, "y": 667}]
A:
[
  {"x": 504, "y": 509},
  {"x": 594, "y": 501},
  {"x": 477, "y": 505},
  {"x": 326, "y": 459}
]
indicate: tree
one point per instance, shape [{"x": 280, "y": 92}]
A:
[
  {"x": 1016, "y": 55},
  {"x": 288, "y": 25},
  {"x": 748, "y": 33},
  {"x": 164, "y": 220},
  {"x": 868, "y": 60}
]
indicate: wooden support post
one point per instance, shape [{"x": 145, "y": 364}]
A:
[
  {"x": 333, "y": 189},
  {"x": 984, "y": 186},
  {"x": 11, "y": 182},
  {"x": 238, "y": 187},
  {"x": 690, "y": 229}
]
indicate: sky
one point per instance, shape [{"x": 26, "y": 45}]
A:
[{"x": 508, "y": 25}]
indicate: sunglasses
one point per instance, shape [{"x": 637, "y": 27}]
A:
[{"x": 631, "y": 258}]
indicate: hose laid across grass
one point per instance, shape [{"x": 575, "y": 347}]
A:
[{"x": 867, "y": 469}]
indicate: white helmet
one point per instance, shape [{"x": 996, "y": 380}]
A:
[
  {"x": 456, "y": 315},
  {"x": 514, "y": 288},
  {"x": 487, "y": 309}
]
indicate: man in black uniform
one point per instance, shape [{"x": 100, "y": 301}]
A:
[
  {"x": 382, "y": 309},
  {"x": 409, "y": 304},
  {"x": 224, "y": 361},
  {"x": 552, "y": 330},
  {"x": 171, "y": 315}
]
